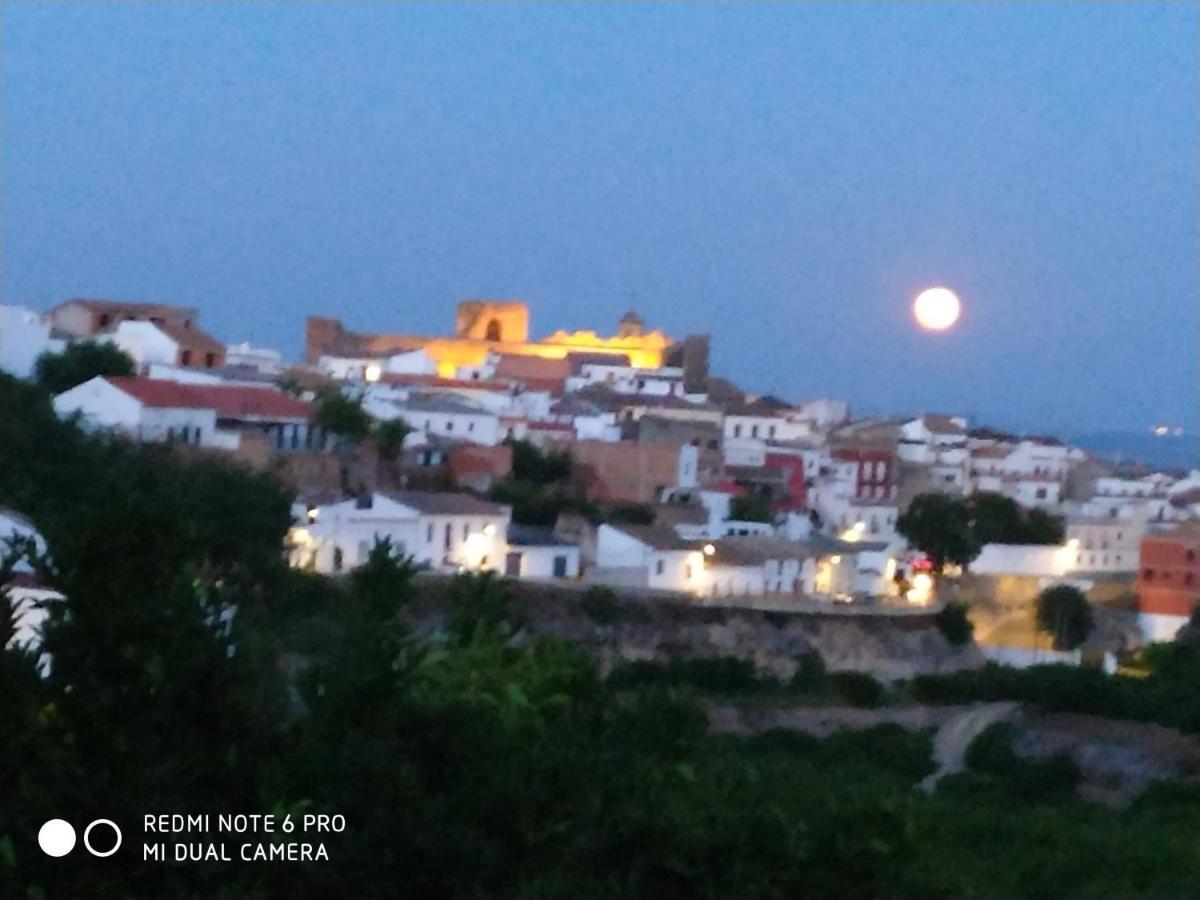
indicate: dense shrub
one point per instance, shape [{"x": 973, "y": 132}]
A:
[
  {"x": 1169, "y": 695},
  {"x": 991, "y": 753},
  {"x": 719, "y": 674},
  {"x": 810, "y": 675},
  {"x": 953, "y": 623},
  {"x": 858, "y": 689},
  {"x": 600, "y": 604}
]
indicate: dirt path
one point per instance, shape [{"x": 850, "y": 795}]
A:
[{"x": 954, "y": 737}]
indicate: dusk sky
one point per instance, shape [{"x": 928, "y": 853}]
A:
[{"x": 783, "y": 176}]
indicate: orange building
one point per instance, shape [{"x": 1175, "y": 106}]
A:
[
  {"x": 483, "y": 327},
  {"x": 1168, "y": 583}
]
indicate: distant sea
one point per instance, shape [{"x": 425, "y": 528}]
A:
[{"x": 1165, "y": 452}]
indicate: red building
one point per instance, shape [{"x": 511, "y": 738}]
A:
[
  {"x": 1168, "y": 583},
  {"x": 875, "y": 477},
  {"x": 792, "y": 468}
]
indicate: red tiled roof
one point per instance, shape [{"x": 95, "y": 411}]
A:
[
  {"x": 148, "y": 309},
  {"x": 232, "y": 401},
  {"x": 192, "y": 337},
  {"x": 549, "y": 426}
]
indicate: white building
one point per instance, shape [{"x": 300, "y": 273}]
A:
[
  {"x": 1031, "y": 472},
  {"x": 24, "y": 336},
  {"x": 261, "y": 359},
  {"x": 1145, "y": 497},
  {"x": 441, "y": 530},
  {"x": 656, "y": 557},
  {"x": 662, "y": 382},
  {"x": 443, "y": 414},
  {"x": 1105, "y": 545},
  {"x": 939, "y": 443},
  {"x": 205, "y": 415},
  {"x": 373, "y": 368},
  {"x": 1043, "y": 560},
  {"x": 538, "y": 554}
]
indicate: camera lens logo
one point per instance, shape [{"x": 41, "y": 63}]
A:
[{"x": 57, "y": 837}]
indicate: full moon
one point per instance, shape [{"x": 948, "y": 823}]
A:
[{"x": 936, "y": 309}]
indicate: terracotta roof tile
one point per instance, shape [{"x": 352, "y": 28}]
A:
[{"x": 232, "y": 401}]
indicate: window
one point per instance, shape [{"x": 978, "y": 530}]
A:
[
  {"x": 1191, "y": 555},
  {"x": 492, "y": 333},
  {"x": 337, "y": 559},
  {"x": 210, "y": 360},
  {"x": 560, "y": 567},
  {"x": 687, "y": 572},
  {"x": 105, "y": 318},
  {"x": 1040, "y": 493},
  {"x": 1148, "y": 574},
  {"x": 470, "y": 426},
  {"x": 185, "y": 357},
  {"x": 737, "y": 431},
  {"x": 429, "y": 533},
  {"x": 771, "y": 431},
  {"x": 466, "y": 529},
  {"x": 447, "y": 536},
  {"x": 449, "y": 425},
  {"x": 658, "y": 567},
  {"x": 753, "y": 431}
]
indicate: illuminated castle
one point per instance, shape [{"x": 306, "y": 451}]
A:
[{"x": 483, "y": 327}]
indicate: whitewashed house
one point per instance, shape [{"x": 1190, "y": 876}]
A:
[
  {"x": 205, "y": 415},
  {"x": 260, "y": 359},
  {"x": 624, "y": 379},
  {"x": 444, "y": 531},
  {"x": 1145, "y": 497},
  {"x": 538, "y": 554},
  {"x": 24, "y": 336},
  {"x": 939, "y": 443},
  {"x": 1105, "y": 545},
  {"x": 443, "y": 414}
]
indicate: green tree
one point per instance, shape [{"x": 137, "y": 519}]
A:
[
  {"x": 529, "y": 463},
  {"x": 1063, "y": 612},
  {"x": 940, "y": 527},
  {"x": 344, "y": 416},
  {"x": 1043, "y": 528},
  {"x": 58, "y": 372},
  {"x": 952, "y": 621},
  {"x": 750, "y": 508},
  {"x": 389, "y": 437},
  {"x": 995, "y": 519}
]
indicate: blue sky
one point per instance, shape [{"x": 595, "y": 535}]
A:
[{"x": 784, "y": 176}]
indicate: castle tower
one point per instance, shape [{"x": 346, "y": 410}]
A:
[
  {"x": 631, "y": 325},
  {"x": 493, "y": 320}
]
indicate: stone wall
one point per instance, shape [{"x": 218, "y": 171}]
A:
[{"x": 618, "y": 630}]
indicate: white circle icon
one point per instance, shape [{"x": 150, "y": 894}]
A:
[
  {"x": 87, "y": 834},
  {"x": 56, "y": 837}
]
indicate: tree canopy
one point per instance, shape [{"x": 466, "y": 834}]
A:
[
  {"x": 997, "y": 519},
  {"x": 939, "y": 525},
  {"x": 80, "y": 362},
  {"x": 1063, "y": 612},
  {"x": 750, "y": 507},
  {"x": 339, "y": 414}
]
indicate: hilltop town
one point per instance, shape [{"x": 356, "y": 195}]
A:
[{"x": 623, "y": 461}]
